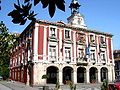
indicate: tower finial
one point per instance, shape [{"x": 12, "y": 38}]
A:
[{"x": 74, "y": 6}]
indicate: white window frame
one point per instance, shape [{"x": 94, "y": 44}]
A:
[
  {"x": 93, "y": 37},
  {"x": 101, "y": 55},
  {"x": 65, "y": 33},
  {"x": 80, "y": 53},
  {"x": 67, "y": 56},
  {"x": 55, "y": 56},
  {"x": 103, "y": 39},
  {"x": 92, "y": 55},
  {"x": 50, "y": 34}
]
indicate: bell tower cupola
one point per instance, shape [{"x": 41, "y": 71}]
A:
[{"x": 76, "y": 19}]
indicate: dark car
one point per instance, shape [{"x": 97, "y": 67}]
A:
[{"x": 115, "y": 85}]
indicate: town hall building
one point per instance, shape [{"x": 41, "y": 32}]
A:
[{"x": 62, "y": 52}]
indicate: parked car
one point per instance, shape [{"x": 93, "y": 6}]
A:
[
  {"x": 1, "y": 78},
  {"x": 115, "y": 85}
]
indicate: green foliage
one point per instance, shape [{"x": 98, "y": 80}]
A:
[
  {"x": 6, "y": 43},
  {"x": 104, "y": 85},
  {"x": 57, "y": 86},
  {"x": 23, "y": 12},
  {"x": 44, "y": 76},
  {"x": 71, "y": 85}
]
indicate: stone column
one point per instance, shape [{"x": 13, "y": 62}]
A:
[
  {"x": 87, "y": 76},
  {"x": 75, "y": 76},
  {"x": 110, "y": 74},
  {"x": 35, "y": 41},
  {"x": 60, "y": 77},
  {"x": 28, "y": 78},
  {"x": 113, "y": 73},
  {"x": 99, "y": 76}
]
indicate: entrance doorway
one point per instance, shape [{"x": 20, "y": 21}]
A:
[
  {"x": 67, "y": 74},
  {"x": 81, "y": 75},
  {"x": 104, "y": 73},
  {"x": 93, "y": 75},
  {"x": 52, "y": 75}
]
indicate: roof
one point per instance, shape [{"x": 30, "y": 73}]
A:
[
  {"x": 73, "y": 27},
  {"x": 116, "y": 51},
  {"x": 63, "y": 25}
]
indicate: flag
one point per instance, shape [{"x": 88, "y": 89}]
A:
[{"x": 87, "y": 51}]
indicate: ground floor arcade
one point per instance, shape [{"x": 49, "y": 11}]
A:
[
  {"x": 33, "y": 74},
  {"x": 76, "y": 74}
]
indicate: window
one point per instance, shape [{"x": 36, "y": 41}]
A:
[
  {"x": 52, "y": 31},
  {"x": 67, "y": 34},
  {"x": 67, "y": 53},
  {"x": 92, "y": 55},
  {"x": 92, "y": 38},
  {"x": 52, "y": 52},
  {"x": 103, "y": 55},
  {"x": 80, "y": 53},
  {"x": 102, "y": 39}
]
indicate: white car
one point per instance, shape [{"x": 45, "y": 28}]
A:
[{"x": 1, "y": 78}]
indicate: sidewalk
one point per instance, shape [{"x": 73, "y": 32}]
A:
[
  {"x": 3, "y": 87},
  {"x": 21, "y": 86},
  {"x": 18, "y": 86}
]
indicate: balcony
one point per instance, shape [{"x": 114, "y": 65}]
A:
[
  {"x": 80, "y": 42},
  {"x": 52, "y": 38},
  {"x": 68, "y": 59},
  {"x": 68, "y": 40},
  {"x": 82, "y": 61},
  {"x": 103, "y": 45},
  {"x": 92, "y": 43},
  {"x": 52, "y": 59}
]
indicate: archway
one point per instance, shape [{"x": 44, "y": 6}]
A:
[
  {"x": 52, "y": 73},
  {"x": 104, "y": 73},
  {"x": 67, "y": 74},
  {"x": 93, "y": 75},
  {"x": 81, "y": 75}
]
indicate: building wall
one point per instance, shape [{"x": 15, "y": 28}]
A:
[
  {"x": 116, "y": 54},
  {"x": 67, "y": 47}
]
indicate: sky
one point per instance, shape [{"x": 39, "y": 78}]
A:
[{"x": 99, "y": 15}]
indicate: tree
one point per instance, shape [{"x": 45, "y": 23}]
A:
[
  {"x": 6, "y": 43},
  {"x": 23, "y": 12}
]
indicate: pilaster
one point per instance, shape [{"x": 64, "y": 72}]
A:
[{"x": 87, "y": 76}]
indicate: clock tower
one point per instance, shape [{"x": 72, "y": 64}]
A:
[{"x": 76, "y": 19}]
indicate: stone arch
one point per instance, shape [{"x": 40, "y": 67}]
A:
[
  {"x": 104, "y": 73},
  {"x": 67, "y": 74},
  {"x": 81, "y": 73},
  {"x": 52, "y": 73},
  {"x": 93, "y": 72}
]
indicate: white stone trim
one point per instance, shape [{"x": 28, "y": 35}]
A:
[
  {"x": 50, "y": 26},
  {"x": 108, "y": 60},
  {"x": 44, "y": 43},
  {"x": 60, "y": 45},
  {"x": 69, "y": 32},
  {"x": 35, "y": 42}
]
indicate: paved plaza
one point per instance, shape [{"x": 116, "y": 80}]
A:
[{"x": 4, "y": 85}]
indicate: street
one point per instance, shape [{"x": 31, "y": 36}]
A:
[{"x": 2, "y": 87}]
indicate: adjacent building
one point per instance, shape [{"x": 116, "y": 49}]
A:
[
  {"x": 62, "y": 52},
  {"x": 116, "y": 54}
]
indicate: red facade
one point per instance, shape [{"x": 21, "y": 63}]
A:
[{"x": 22, "y": 55}]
